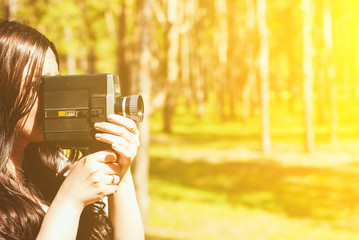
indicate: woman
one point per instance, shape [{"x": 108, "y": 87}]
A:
[{"x": 36, "y": 200}]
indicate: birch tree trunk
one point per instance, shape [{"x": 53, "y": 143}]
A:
[
  {"x": 122, "y": 64},
  {"x": 90, "y": 38},
  {"x": 328, "y": 40},
  {"x": 232, "y": 68},
  {"x": 185, "y": 10},
  {"x": 71, "y": 58},
  {"x": 222, "y": 48},
  {"x": 172, "y": 64},
  {"x": 263, "y": 64},
  {"x": 196, "y": 73},
  {"x": 10, "y": 9},
  {"x": 142, "y": 74},
  {"x": 199, "y": 85},
  {"x": 250, "y": 60},
  {"x": 308, "y": 73}
]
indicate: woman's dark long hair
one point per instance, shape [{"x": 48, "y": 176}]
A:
[{"x": 21, "y": 48}]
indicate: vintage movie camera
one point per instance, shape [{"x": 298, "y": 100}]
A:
[{"x": 71, "y": 104}]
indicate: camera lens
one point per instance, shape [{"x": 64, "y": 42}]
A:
[{"x": 130, "y": 106}]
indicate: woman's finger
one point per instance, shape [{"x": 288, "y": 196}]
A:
[
  {"x": 110, "y": 139},
  {"x": 110, "y": 189},
  {"x": 126, "y": 155},
  {"x": 111, "y": 168},
  {"x": 104, "y": 156},
  {"x": 129, "y": 124},
  {"x": 119, "y": 144},
  {"x": 123, "y": 151},
  {"x": 117, "y": 130},
  {"x": 113, "y": 179}
]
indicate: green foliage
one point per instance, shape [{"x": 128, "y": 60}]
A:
[{"x": 86, "y": 21}]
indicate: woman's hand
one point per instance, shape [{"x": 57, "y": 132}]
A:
[
  {"x": 99, "y": 174},
  {"x": 122, "y": 134},
  {"x": 95, "y": 176},
  {"x": 91, "y": 179}
]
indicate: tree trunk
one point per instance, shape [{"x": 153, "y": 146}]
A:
[
  {"x": 172, "y": 65},
  {"x": 195, "y": 64},
  {"x": 222, "y": 48},
  {"x": 263, "y": 63},
  {"x": 71, "y": 57},
  {"x": 91, "y": 39},
  {"x": 186, "y": 11},
  {"x": 91, "y": 58},
  {"x": 308, "y": 73},
  {"x": 142, "y": 73},
  {"x": 122, "y": 65},
  {"x": 250, "y": 62},
  {"x": 328, "y": 40},
  {"x": 10, "y": 9},
  {"x": 232, "y": 68},
  {"x": 199, "y": 86}
]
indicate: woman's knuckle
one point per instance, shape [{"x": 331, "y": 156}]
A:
[
  {"x": 93, "y": 177},
  {"x": 133, "y": 126},
  {"x": 121, "y": 131},
  {"x": 91, "y": 167},
  {"x": 101, "y": 195},
  {"x": 126, "y": 161}
]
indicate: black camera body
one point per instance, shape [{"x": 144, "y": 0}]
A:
[{"x": 71, "y": 104}]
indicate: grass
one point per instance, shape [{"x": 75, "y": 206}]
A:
[{"x": 209, "y": 180}]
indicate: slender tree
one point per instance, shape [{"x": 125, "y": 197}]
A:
[
  {"x": 122, "y": 62},
  {"x": 328, "y": 40},
  {"x": 263, "y": 64},
  {"x": 233, "y": 65},
  {"x": 185, "y": 10},
  {"x": 172, "y": 63},
  {"x": 10, "y": 9},
  {"x": 142, "y": 74},
  {"x": 221, "y": 40},
  {"x": 71, "y": 56},
  {"x": 250, "y": 60},
  {"x": 197, "y": 77},
  {"x": 308, "y": 72}
]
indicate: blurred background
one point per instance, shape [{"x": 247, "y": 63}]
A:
[{"x": 251, "y": 108}]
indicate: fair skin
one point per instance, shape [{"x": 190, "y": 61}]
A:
[{"x": 97, "y": 175}]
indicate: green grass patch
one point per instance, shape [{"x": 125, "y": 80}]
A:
[{"x": 209, "y": 180}]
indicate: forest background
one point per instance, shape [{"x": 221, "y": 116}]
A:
[{"x": 251, "y": 108}]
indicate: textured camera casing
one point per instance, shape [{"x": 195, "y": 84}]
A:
[{"x": 71, "y": 104}]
